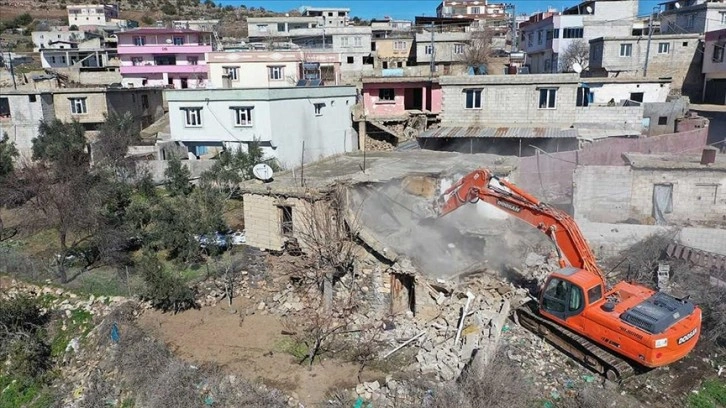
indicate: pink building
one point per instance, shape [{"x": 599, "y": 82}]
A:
[
  {"x": 398, "y": 97},
  {"x": 164, "y": 57}
]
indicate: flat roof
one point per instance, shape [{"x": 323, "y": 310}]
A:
[
  {"x": 93, "y": 89},
  {"x": 673, "y": 162},
  {"x": 538, "y": 79},
  {"x": 257, "y": 94},
  {"x": 135, "y": 31},
  {"x": 499, "y": 133},
  {"x": 654, "y": 38},
  {"x": 379, "y": 167},
  {"x": 395, "y": 79}
]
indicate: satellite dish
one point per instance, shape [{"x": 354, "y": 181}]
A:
[
  {"x": 168, "y": 40},
  {"x": 577, "y": 67},
  {"x": 589, "y": 9},
  {"x": 262, "y": 171},
  {"x": 678, "y": 5}
]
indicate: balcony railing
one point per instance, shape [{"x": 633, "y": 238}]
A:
[
  {"x": 171, "y": 69},
  {"x": 163, "y": 49}
]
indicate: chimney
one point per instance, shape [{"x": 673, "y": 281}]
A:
[{"x": 708, "y": 156}]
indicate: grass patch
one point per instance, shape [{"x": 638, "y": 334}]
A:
[
  {"x": 711, "y": 395},
  {"x": 18, "y": 393},
  {"x": 292, "y": 347},
  {"x": 78, "y": 325}
]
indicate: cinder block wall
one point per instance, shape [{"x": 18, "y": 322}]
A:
[
  {"x": 697, "y": 195},
  {"x": 602, "y": 193}
]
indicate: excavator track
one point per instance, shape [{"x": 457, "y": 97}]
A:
[{"x": 589, "y": 354}]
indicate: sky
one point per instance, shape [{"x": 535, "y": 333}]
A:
[{"x": 408, "y": 9}]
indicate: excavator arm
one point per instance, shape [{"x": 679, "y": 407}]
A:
[{"x": 482, "y": 185}]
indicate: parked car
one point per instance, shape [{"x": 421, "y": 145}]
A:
[
  {"x": 237, "y": 237},
  {"x": 217, "y": 239}
]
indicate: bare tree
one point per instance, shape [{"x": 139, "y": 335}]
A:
[
  {"x": 478, "y": 51},
  {"x": 228, "y": 272},
  {"x": 329, "y": 241},
  {"x": 578, "y": 52}
]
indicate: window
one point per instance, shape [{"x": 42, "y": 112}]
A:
[
  {"x": 539, "y": 37},
  {"x": 458, "y": 48},
  {"x": 556, "y": 33},
  {"x": 400, "y": 45},
  {"x": 717, "y": 53},
  {"x": 548, "y": 35},
  {"x": 319, "y": 109},
  {"x": 262, "y": 28},
  {"x": 78, "y": 106},
  {"x": 286, "y": 220},
  {"x": 144, "y": 101},
  {"x": 690, "y": 19},
  {"x": 232, "y": 73},
  {"x": 276, "y": 73},
  {"x": 626, "y": 50},
  {"x": 572, "y": 32},
  {"x": 664, "y": 48},
  {"x": 4, "y": 108},
  {"x": 685, "y": 43},
  {"x": 583, "y": 96},
  {"x": 637, "y": 96},
  {"x": 563, "y": 298},
  {"x": 242, "y": 115},
  {"x": 429, "y": 49},
  {"x": 358, "y": 42},
  {"x": 662, "y": 120},
  {"x": 32, "y": 98},
  {"x": 281, "y": 28},
  {"x": 723, "y": 17},
  {"x": 594, "y": 294},
  {"x": 52, "y": 60},
  {"x": 343, "y": 41},
  {"x": 178, "y": 40},
  {"x": 139, "y": 41},
  {"x": 530, "y": 36},
  {"x": 136, "y": 61},
  {"x": 475, "y": 10},
  {"x": 192, "y": 60},
  {"x": 548, "y": 98},
  {"x": 473, "y": 98},
  {"x": 386, "y": 94},
  {"x": 192, "y": 117},
  {"x": 350, "y": 60}
]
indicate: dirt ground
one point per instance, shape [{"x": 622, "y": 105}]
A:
[{"x": 249, "y": 346}]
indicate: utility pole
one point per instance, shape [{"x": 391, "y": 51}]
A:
[
  {"x": 515, "y": 36},
  {"x": 12, "y": 70},
  {"x": 433, "y": 51},
  {"x": 656, "y": 11}
]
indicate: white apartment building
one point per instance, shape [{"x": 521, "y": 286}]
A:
[
  {"x": 546, "y": 36},
  {"x": 91, "y": 14},
  {"x": 692, "y": 16},
  {"x": 291, "y": 124}
]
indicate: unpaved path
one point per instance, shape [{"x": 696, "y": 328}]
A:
[{"x": 248, "y": 347}]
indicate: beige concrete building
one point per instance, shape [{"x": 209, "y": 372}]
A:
[
  {"x": 653, "y": 189},
  {"x": 677, "y": 56},
  {"x": 22, "y": 110}
]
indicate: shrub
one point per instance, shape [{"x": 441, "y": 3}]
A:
[{"x": 164, "y": 290}]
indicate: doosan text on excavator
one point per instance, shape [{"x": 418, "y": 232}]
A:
[{"x": 605, "y": 328}]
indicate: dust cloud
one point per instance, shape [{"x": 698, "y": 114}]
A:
[{"x": 474, "y": 237}]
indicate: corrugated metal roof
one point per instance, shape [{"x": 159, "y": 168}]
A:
[{"x": 499, "y": 132}]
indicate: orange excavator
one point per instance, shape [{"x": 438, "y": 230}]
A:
[{"x": 604, "y": 328}]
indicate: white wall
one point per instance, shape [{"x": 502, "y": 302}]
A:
[
  {"x": 281, "y": 120},
  {"x": 652, "y": 92},
  {"x": 22, "y": 126},
  {"x": 254, "y": 74}
]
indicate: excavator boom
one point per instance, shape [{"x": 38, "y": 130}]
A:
[{"x": 482, "y": 185}]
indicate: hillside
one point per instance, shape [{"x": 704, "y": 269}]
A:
[{"x": 147, "y": 12}]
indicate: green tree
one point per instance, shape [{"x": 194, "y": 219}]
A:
[
  {"x": 163, "y": 289},
  {"x": 62, "y": 144},
  {"x": 234, "y": 167},
  {"x": 8, "y": 153},
  {"x": 177, "y": 177},
  {"x": 168, "y": 9},
  {"x": 115, "y": 135},
  {"x": 23, "y": 19}
]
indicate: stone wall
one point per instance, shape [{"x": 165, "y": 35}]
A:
[{"x": 263, "y": 220}]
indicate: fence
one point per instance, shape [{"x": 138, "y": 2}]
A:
[{"x": 549, "y": 175}]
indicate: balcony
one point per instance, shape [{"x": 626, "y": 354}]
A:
[
  {"x": 124, "y": 49},
  {"x": 169, "y": 69}
]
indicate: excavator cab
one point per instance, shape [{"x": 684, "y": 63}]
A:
[{"x": 567, "y": 292}]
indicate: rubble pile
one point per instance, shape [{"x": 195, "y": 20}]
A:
[{"x": 536, "y": 268}]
